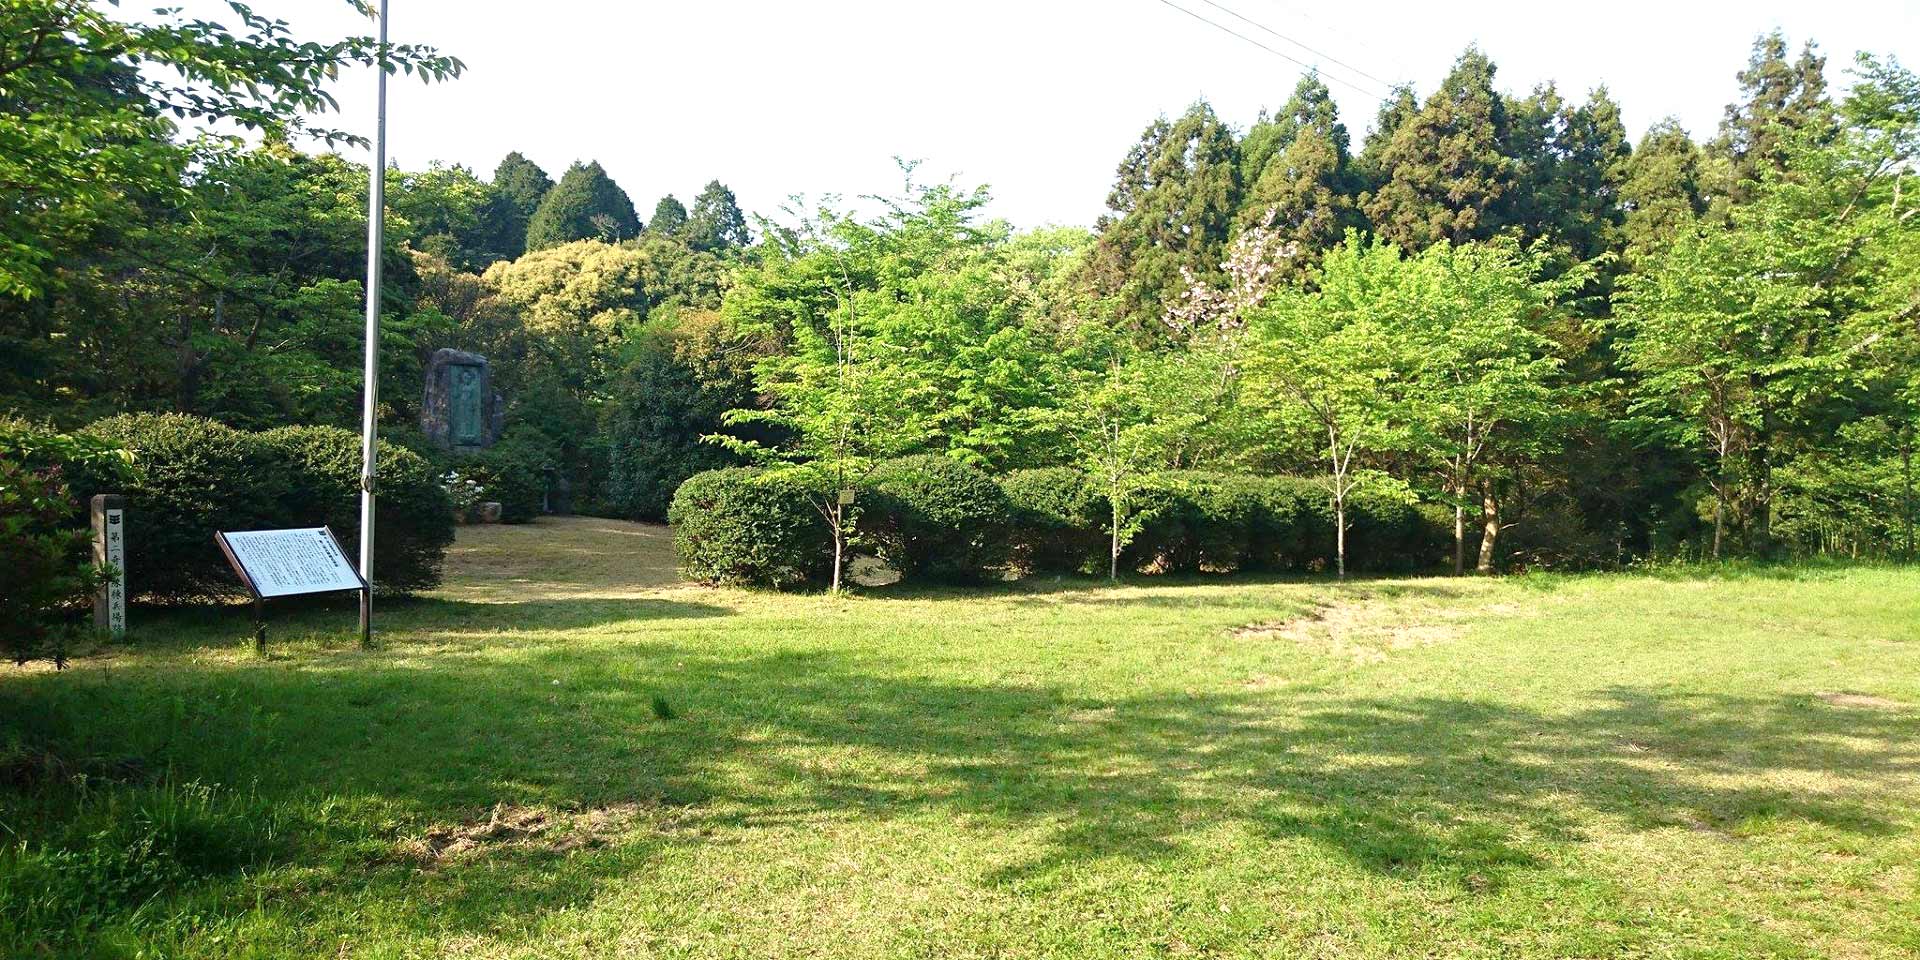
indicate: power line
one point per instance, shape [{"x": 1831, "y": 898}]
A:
[
  {"x": 1233, "y": 13},
  {"x": 1336, "y": 31},
  {"x": 1290, "y": 59}
]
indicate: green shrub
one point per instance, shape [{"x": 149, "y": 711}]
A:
[
  {"x": 1196, "y": 521},
  {"x": 514, "y": 472},
  {"x": 1056, "y": 521},
  {"x": 936, "y": 520},
  {"x": 1293, "y": 529},
  {"x": 1389, "y": 535},
  {"x": 738, "y": 526},
  {"x": 46, "y": 574},
  {"x": 1191, "y": 521},
  {"x": 193, "y": 477},
  {"x": 413, "y": 525}
]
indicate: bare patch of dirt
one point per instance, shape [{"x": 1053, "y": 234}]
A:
[
  {"x": 526, "y": 827},
  {"x": 1369, "y": 628},
  {"x": 1858, "y": 701}
]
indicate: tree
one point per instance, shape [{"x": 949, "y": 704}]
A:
[
  {"x": 1568, "y": 163},
  {"x": 1126, "y": 410},
  {"x": 684, "y": 370},
  {"x": 1782, "y": 100},
  {"x": 669, "y": 217},
  {"x": 1395, "y": 111},
  {"x": 1762, "y": 337},
  {"x": 440, "y": 210},
  {"x": 558, "y": 317},
  {"x": 1662, "y": 193},
  {"x": 513, "y": 195},
  {"x": 243, "y": 301},
  {"x": 716, "y": 224},
  {"x": 834, "y": 387},
  {"x": 585, "y": 205},
  {"x": 1306, "y": 194},
  {"x": 1446, "y": 175},
  {"x": 1172, "y": 210},
  {"x": 89, "y": 106},
  {"x": 1325, "y": 363},
  {"x": 1483, "y": 390}
]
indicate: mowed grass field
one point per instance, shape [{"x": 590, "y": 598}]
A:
[{"x": 566, "y": 753}]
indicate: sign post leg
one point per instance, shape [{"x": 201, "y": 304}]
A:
[
  {"x": 259, "y": 626},
  {"x": 366, "y": 618}
]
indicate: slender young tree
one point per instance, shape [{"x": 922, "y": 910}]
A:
[{"x": 1326, "y": 363}]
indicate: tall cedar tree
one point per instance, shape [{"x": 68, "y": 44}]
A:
[
  {"x": 1394, "y": 112},
  {"x": 1781, "y": 99},
  {"x": 1305, "y": 193},
  {"x": 1662, "y": 193},
  {"x": 716, "y": 223},
  {"x": 1310, "y": 104},
  {"x": 669, "y": 217},
  {"x": 1173, "y": 205},
  {"x": 1568, "y": 164},
  {"x": 1447, "y": 173},
  {"x": 585, "y": 205},
  {"x": 516, "y": 191}
]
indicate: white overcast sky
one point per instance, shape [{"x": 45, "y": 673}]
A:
[{"x": 1037, "y": 98}]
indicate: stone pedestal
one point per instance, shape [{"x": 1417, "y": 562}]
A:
[{"x": 460, "y": 411}]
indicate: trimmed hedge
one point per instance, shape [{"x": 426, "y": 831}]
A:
[
  {"x": 1195, "y": 521},
  {"x": 739, "y": 527},
  {"x": 935, "y": 519},
  {"x": 413, "y": 518},
  {"x": 1057, "y": 521},
  {"x": 194, "y": 476}
]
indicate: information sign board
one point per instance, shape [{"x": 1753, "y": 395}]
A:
[{"x": 284, "y": 563}]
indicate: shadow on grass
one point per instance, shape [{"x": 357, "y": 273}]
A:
[
  {"x": 335, "y": 619},
  {"x": 1442, "y": 790}
]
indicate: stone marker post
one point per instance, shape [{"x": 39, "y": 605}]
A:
[{"x": 110, "y": 550}]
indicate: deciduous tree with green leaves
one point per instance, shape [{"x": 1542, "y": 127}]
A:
[
  {"x": 89, "y": 107},
  {"x": 1327, "y": 364},
  {"x": 1483, "y": 384}
]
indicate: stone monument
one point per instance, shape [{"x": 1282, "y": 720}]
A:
[{"x": 460, "y": 411}]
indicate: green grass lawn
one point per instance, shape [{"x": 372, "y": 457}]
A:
[{"x": 567, "y": 754}]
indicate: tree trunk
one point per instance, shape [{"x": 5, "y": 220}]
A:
[
  {"x": 1459, "y": 533},
  {"x": 1489, "y": 529},
  {"x": 839, "y": 545},
  {"x": 1719, "y": 519},
  {"x": 1906, "y": 479},
  {"x": 1762, "y": 521},
  {"x": 1113, "y": 546},
  {"x": 1340, "y": 536}
]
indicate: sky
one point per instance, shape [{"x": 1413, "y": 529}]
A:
[{"x": 1038, "y": 99}]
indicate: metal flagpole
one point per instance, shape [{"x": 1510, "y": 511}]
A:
[{"x": 376, "y": 241}]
